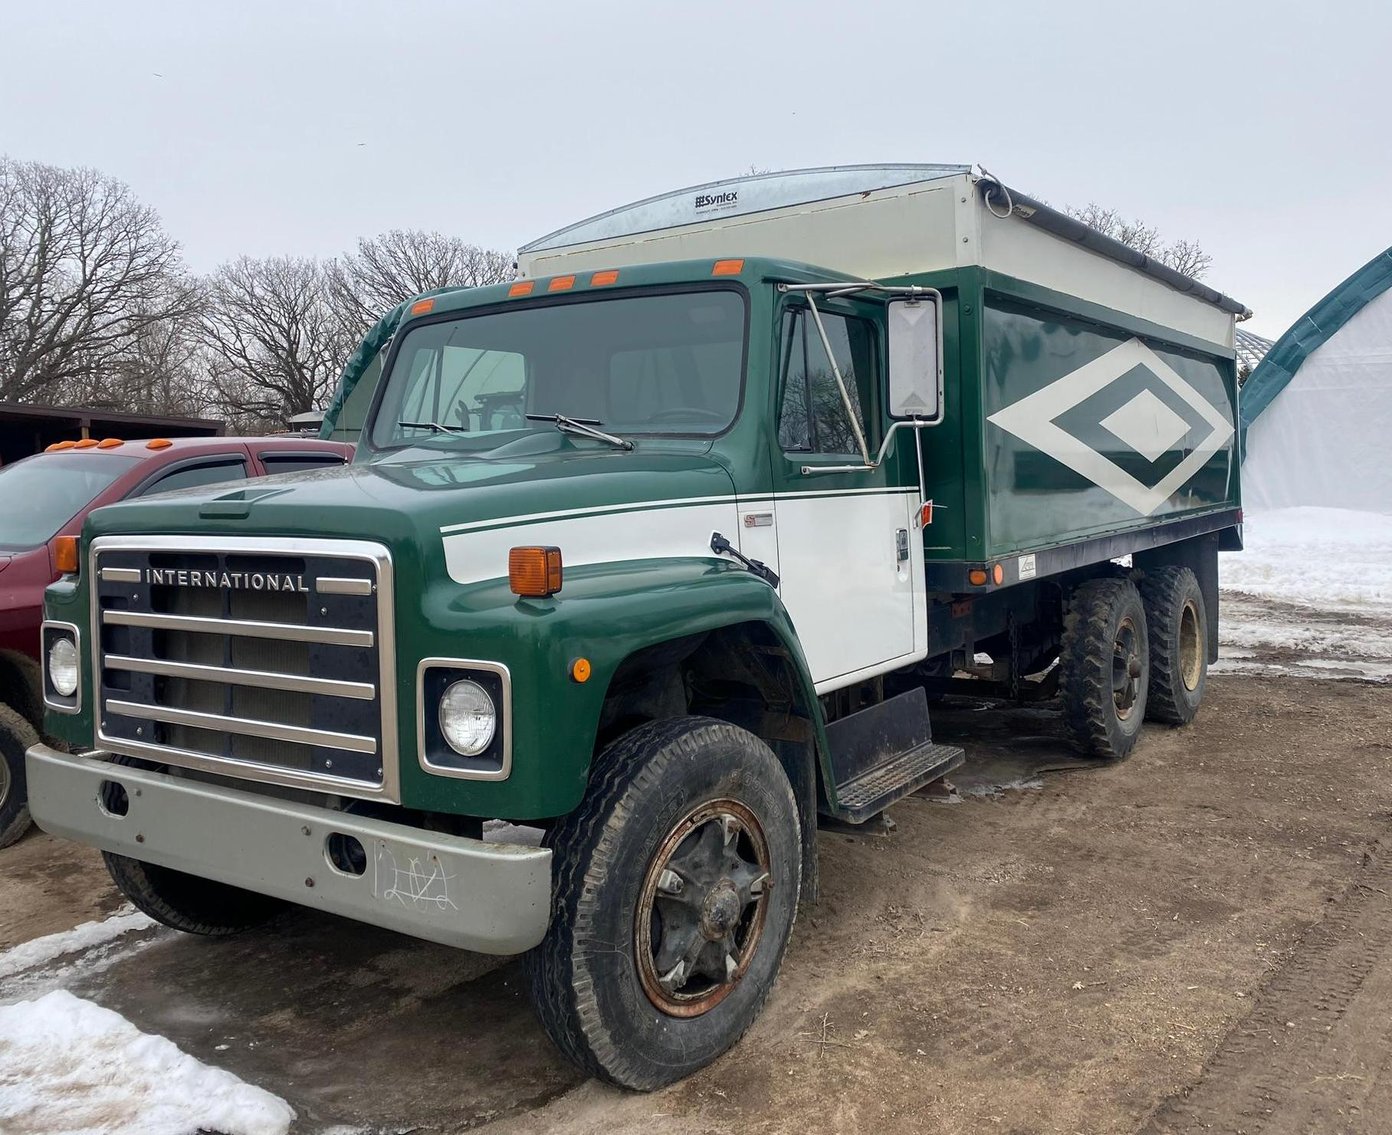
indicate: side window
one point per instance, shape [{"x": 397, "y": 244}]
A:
[
  {"x": 812, "y": 417},
  {"x": 296, "y": 462},
  {"x": 191, "y": 476}
]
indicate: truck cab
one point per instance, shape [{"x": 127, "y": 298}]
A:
[{"x": 663, "y": 561}]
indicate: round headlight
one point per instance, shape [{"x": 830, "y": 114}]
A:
[
  {"x": 468, "y": 718},
  {"x": 62, "y": 667}
]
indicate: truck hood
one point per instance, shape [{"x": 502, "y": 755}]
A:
[
  {"x": 4, "y": 562},
  {"x": 414, "y": 497}
]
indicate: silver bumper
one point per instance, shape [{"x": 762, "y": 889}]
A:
[{"x": 491, "y": 897}]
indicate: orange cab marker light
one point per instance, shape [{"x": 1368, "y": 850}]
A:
[
  {"x": 65, "y": 554},
  {"x": 109, "y": 443},
  {"x": 998, "y": 574},
  {"x": 422, "y": 307},
  {"x": 561, "y": 284},
  {"x": 159, "y": 443},
  {"x": 599, "y": 279},
  {"x": 580, "y": 670},
  {"x": 534, "y": 572},
  {"x": 977, "y": 577},
  {"x": 727, "y": 268},
  {"x": 86, "y": 443},
  {"x": 52, "y": 448},
  {"x": 59, "y": 446},
  {"x": 521, "y": 288}
]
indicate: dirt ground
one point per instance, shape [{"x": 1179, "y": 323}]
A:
[{"x": 1199, "y": 939}]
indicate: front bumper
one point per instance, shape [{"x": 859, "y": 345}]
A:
[{"x": 491, "y": 897}]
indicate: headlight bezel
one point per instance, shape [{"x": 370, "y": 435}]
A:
[
  {"x": 436, "y": 755},
  {"x": 50, "y": 633}
]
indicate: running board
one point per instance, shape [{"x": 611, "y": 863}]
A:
[{"x": 884, "y": 753}]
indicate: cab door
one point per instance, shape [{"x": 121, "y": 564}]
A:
[{"x": 849, "y": 555}]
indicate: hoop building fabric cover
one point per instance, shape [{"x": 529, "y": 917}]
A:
[{"x": 1317, "y": 411}]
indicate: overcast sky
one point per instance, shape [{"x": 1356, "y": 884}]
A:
[{"x": 1259, "y": 129}]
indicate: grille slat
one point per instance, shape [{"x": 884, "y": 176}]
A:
[
  {"x": 265, "y": 679},
  {"x": 229, "y": 656},
  {"x": 271, "y": 730},
  {"x": 197, "y": 624}
]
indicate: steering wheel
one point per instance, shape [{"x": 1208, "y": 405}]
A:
[{"x": 682, "y": 413}]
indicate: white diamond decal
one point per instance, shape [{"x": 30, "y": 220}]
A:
[
  {"x": 1147, "y": 425},
  {"x": 1031, "y": 419}
]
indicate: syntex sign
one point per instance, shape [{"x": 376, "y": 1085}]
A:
[{"x": 717, "y": 202}]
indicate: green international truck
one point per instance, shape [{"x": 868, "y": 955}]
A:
[{"x": 648, "y": 563}]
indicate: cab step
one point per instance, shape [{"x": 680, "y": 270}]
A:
[{"x": 884, "y": 753}]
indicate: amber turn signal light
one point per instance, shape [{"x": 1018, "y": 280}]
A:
[
  {"x": 580, "y": 670},
  {"x": 977, "y": 577},
  {"x": 998, "y": 574},
  {"x": 65, "y": 554},
  {"x": 534, "y": 572}
]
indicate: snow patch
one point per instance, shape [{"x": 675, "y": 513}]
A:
[
  {"x": 1311, "y": 594},
  {"x": 71, "y": 1067},
  {"x": 40, "y": 951},
  {"x": 1317, "y": 556}
]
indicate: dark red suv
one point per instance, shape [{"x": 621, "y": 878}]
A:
[{"x": 48, "y": 496}]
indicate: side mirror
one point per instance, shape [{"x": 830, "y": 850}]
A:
[{"x": 915, "y": 359}]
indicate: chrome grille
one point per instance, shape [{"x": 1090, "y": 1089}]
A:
[{"x": 264, "y": 659}]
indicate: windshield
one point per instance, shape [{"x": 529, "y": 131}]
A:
[
  {"x": 656, "y": 364},
  {"x": 40, "y": 494}
]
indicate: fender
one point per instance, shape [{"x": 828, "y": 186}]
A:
[{"x": 604, "y": 613}]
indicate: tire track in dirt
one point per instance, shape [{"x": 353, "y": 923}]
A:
[{"x": 1289, "y": 1065}]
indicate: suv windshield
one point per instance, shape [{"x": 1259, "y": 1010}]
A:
[
  {"x": 655, "y": 364},
  {"x": 40, "y": 494}
]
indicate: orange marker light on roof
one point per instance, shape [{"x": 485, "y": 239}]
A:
[
  {"x": 159, "y": 443},
  {"x": 65, "y": 554},
  {"x": 86, "y": 443},
  {"x": 599, "y": 279},
  {"x": 561, "y": 284},
  {"x": 522, "y": 288},
  {"x": 52, "y": 448},
  {"x": 59, "y": 446},
  {"x": 422, "y": 307},
  {"x": 109, "y": 443},
  {"x": 534, "y": 572},
  {"x": 727, "y": 268}
]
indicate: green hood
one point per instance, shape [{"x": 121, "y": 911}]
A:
[{"x": 410, "y": 496}]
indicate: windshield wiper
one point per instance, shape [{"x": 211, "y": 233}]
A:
[
  {"x": 433, "y": 427},
  {"x": 585, "y": 427}
]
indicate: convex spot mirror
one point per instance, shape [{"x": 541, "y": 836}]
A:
[{"x": 915, "y": 358}]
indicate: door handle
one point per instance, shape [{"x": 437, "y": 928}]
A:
[{"x": 901, "y": 545}]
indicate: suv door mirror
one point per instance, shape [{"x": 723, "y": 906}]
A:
[{"x": 915, "y": 358}]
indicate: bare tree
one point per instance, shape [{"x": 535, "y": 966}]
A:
[
  {"x": 1183, "y": 256},
  {"x": 405, "y": 262},
  {"x": 276, "y": 339},
  {"x": 85, "y": 270}
]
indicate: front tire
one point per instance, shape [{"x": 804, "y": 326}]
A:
[
  {"x": 187, "y": 902},
  {"x": 676, "y": 887},
  {"x": 1178, "y": 624},
  {"x": 16, "y": 736},
  {"x": 1104, "y": 667}
]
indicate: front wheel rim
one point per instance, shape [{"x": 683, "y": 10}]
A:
[
  {"x": 702, "y": 908},
  {"x": 4, "y": 781}
]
